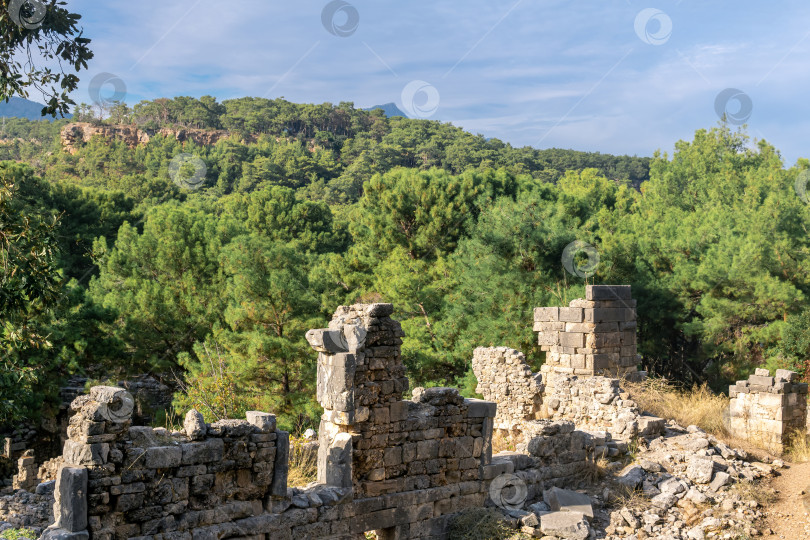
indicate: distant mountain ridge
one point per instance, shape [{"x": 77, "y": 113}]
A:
[
  {"x": 18, "y": 107},
  {"x": 390, "y": 109}
]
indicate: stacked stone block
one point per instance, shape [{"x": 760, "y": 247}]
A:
[
  {"x": 591, "y": 402},
  {"x": 400, "y": 468},
  {"x": 505, "y": 378},
  {"x": 372, "y": 440},
  {"x": 594, "y": 336},
  {"x": 144, "y": 482},
  {"x": 768, "y": 410},
  {"x": 597, "y": 403},
  {"x": 26, "y": 477}
]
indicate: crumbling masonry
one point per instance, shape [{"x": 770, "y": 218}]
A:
[
  {"x": 768, "y": 410},
  {"x": 585, "y": 342},
  {"x": 401, "y": 468}
]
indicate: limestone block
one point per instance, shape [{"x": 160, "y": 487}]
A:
[
  {"x": 327, "y": 341},
  {"x": 547, "y": 314},
  {"x": 112, "y": 404},
  {"x": 76, "y": 453},
  {"x": 335, "y": 464},
  {"x": 568, "y": 501},
  {"x": 70, "y": 508},
  {"x": 700, "y": 469},
  {"x": 607, "y": 292},
  {"x": 209, "y": 451},
  {"x": 569, "y": 314},
  {"x": 761, "y": 380},
  {"x": 266, "y": 422},
  {"x": 785, "y": 375},
  {"x": 336, "y": 380},
  {"x": 162, "y": 457},
  {"x": 570, "y": 525},
  {"x": 194, "y": 425},
  {"x": 281, "y": 465},
  {"x": 568, "y": 339}
]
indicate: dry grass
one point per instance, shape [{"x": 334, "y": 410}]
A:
[
  {"x": 630, "y": 498},
  {"x": 799, "y": 449},
  {"x": 747, "y": 490},
  {"x": 596, "y": 470},
  {"x": 503, "y": 441},
  {"x": 698, "y": 406},
  {"x": 481, "y": 524},
  {"x": 303, "y": 463}
]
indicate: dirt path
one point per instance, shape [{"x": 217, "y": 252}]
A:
[{"x": 789, "y": 516}]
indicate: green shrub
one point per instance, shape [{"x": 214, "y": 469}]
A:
[{"x": 14, "y": 534}]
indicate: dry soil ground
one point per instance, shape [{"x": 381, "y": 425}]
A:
[{"x": 789, "y": 516}]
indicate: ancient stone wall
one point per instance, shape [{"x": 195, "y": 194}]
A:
[
  {"x": 591, "y": 336},
  {"x": 505, "y": 378},
  {"x": 401, "y": 468},
  {"x": 592, "y": 403},
  {"x": 768, "y": 410},
  {"x": 436, "y": 439},
  {"x": 594, "y": 336}
]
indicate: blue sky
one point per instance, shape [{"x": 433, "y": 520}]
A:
[{"x": 601, "y": 75}]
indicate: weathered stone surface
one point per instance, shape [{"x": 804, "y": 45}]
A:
[
  {"x": 700, "y": 470},
  {"x": 337, "y": 468},
  {"x": 70, "y": 508},
  {"x": 194, "y": 425},
  {"x": 720, "y": 479},
  {"x": 632, "y": 476},
  {"x": 569, "y": 525},
  {"x": 266, "y": 422},
  {"x": 281, "y": 466},
  {"x": 211, "y": 450},
  {"x": 568, "y": 501},
  {"x": 77, "y": 453},
  {"x": 163, "y": 457}
]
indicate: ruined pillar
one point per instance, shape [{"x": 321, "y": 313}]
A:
[
  {"x": 594, "y": 336},
  {"x": 360, "y": 384},
  {"x": 768, "y": 410}
]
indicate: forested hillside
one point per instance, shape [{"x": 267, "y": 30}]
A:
[{"x": 206, "y": 265}]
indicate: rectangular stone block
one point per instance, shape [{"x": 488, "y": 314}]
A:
[
  {"x": 760, "y": 380},
  {"x": 548, "y": 339},
  {"x": 583, "y": 328},
  {"x": 786, "y": 375},
  {"x": 607, "y": 292},
  {"x": 569, "y": 314},
  {"x": 572, "y": 340},
  {"x": 209, "y": 451},
  {"x": 599, "y": 315},
  {"x": 478, "y": 408},
  {"x": 70, "y": 510},
  {"x": 76, "y": 453},
  {"x": 163, "y": 457},
  {"x": 335, "y": 465},
  {"x": 266, "y": 422},
  {"x": 281, "y": 465},
  {"x": 336, "y": 381},
  {"x": 546, "y": 314}
]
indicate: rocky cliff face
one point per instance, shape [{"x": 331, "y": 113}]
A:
[{"x": 73, "y": 135}]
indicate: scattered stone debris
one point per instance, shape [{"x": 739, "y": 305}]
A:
[{"x": 588, "y": 464}]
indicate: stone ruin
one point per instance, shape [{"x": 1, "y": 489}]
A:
[
  {"x": 594, "y": 336},
  {"x": 401, "y": 468},
  {"x": 768, "y": 410},
  {"x": 584, "y": 342}
]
